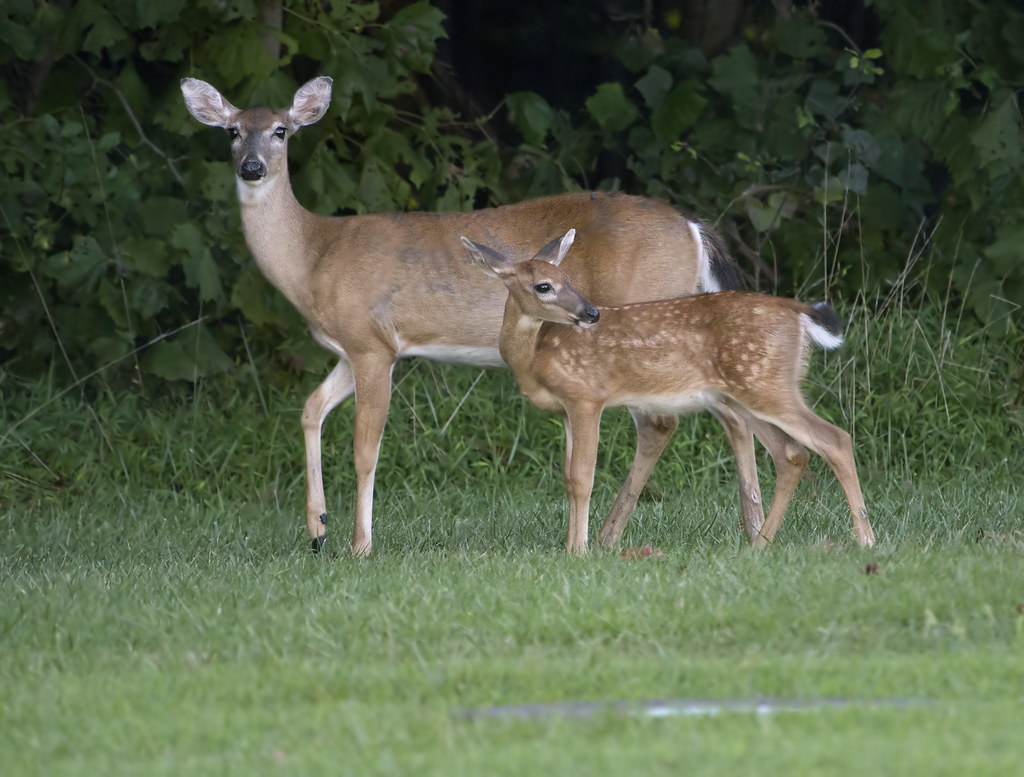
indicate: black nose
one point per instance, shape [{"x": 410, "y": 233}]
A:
[
  {"x": 590, "y": 314},
  {"x": 251, "y": 170}
]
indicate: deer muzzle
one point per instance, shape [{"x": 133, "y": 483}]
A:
[
  {"x": 251, "y": 169},
  {"x": 588, "y": 317}
]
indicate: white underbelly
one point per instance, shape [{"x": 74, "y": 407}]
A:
[
  {"x": 474, "y": 356},
  {"x": 669, "y": 404},
  {"x": 457, "y": 354}
]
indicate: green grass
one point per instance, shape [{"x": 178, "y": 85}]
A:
[{"x": 160, "y": 612}]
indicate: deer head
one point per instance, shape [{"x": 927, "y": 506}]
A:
[
  {"x": 540, "y": 290},
  {"x": 259, "y": 136}
]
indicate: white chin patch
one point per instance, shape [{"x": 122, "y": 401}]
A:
[{"x": 584, "y": 324}]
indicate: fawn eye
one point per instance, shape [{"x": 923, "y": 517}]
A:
[
  {"x": 232, "y": 132},
  {"x": 542, "y": 288},
  {"x": 280, "y": 133}
]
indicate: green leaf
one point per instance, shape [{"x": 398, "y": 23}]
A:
[
  {"x": 413, "y": 34},
  {"x": 239, "y": 53},
  {"x": 999, "y": 138},
  {"x": 200, "y": 270},
  {"x": 1005, "y": 252},
  {"x": 104, "y": 29},
  {"x": 611, "y": 108},
  {"x": 161, "y": 214},
  {"x": 735, "y": 75},
  {"x": 19, "y": 39},
  {"x": 186, "y": 356},
  {"x": 151, "y": 14},
  {"x": 637, "y": 51},
  {"x": 829, "y": 190},
  {"x": 765, "y": 217},
  {"x": 255, "y": 297},
  {"x": 531, "y": 115},
  {"x": 854, "y": 177},
  {"x": 823, "y": 99},
  {"x": 678, "y": 111},
  {"x": 654, "y": 85},
  {"x": 798, "y": 37},
  {"x": 80, "y": 266},
  {"x": 146, "y": 255}
]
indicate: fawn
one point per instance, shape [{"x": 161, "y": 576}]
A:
[{"x": 745, "y": 350}]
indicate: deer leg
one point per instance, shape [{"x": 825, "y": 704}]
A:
[
  {"x": 338, "y": 385},
  {"x": 652, "y": 435},
  {"x": 832, "y": 444},
  {"x": 742, "y": 442},
  {"x": 585, "y": 422},
  {"x": 790, "y": 459},
  {"x": 373, "y": 398},
  {"x": 570, "y": 495}
]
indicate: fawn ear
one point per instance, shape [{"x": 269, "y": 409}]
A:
[
  {"x": 564, "y": 246},
  {"x": 555, "y": 251},
  {"x": 490, "y": 261}
]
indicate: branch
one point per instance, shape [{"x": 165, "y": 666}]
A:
[
  {"x": 131, "y": 115},
  {"x": 760, "y": 267}
]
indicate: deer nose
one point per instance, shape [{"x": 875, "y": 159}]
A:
[
  {"x": 251, "y": 169},
  {"x": 590, "y": 314}
]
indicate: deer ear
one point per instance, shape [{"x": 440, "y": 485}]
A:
[
  {"x": 490, "y": 261},
  {"x": 311, "y": 101},
  {"x": 563, "y": 247},
  {"x": 206, "y": 104}
]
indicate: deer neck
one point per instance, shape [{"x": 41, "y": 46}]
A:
[{"x": 278, "y": 230}]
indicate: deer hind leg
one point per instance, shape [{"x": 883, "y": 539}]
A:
[
  {"x": 834, "y": 445},
  {"x": 652, "y": 435},
  {"x": 338, "y": 385},
  {"x": 790, "y": 459},
  {"x": 373, "y": 399},
  {"x": 742, "y": 442},
  {"x": 584, "y": 424}
]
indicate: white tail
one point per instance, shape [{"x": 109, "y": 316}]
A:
[
  {"x": 746, "y": 351},
  {"x": 377, "y": 287}
]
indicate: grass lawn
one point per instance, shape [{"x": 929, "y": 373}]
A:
[{"x": 160, "y": 634}]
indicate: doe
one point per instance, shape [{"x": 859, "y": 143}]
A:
[{"x": 745, "y": 350}]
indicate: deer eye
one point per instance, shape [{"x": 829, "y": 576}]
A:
[
  {"x": 542, "y": 288},
  {"x": 232, "y": 132},
  {"x": 280, "y": 133}
]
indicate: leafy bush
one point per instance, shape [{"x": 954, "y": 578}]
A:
[
  {"x": 118, "y": 227},
  {"x": 795, "y": 130}
]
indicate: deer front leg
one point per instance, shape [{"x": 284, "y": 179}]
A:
[
  {"x": 652, "y": 435},
  {"x": 373, "y": 399},
  {"x": 338, "y": 385},
  {"x": 585, "y": 424},
  {"x": 570, "y": 496}
]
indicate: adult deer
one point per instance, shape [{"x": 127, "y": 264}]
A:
[
  {"x": 374, "y": 288},
  {"x": 746, "y": 350}
]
